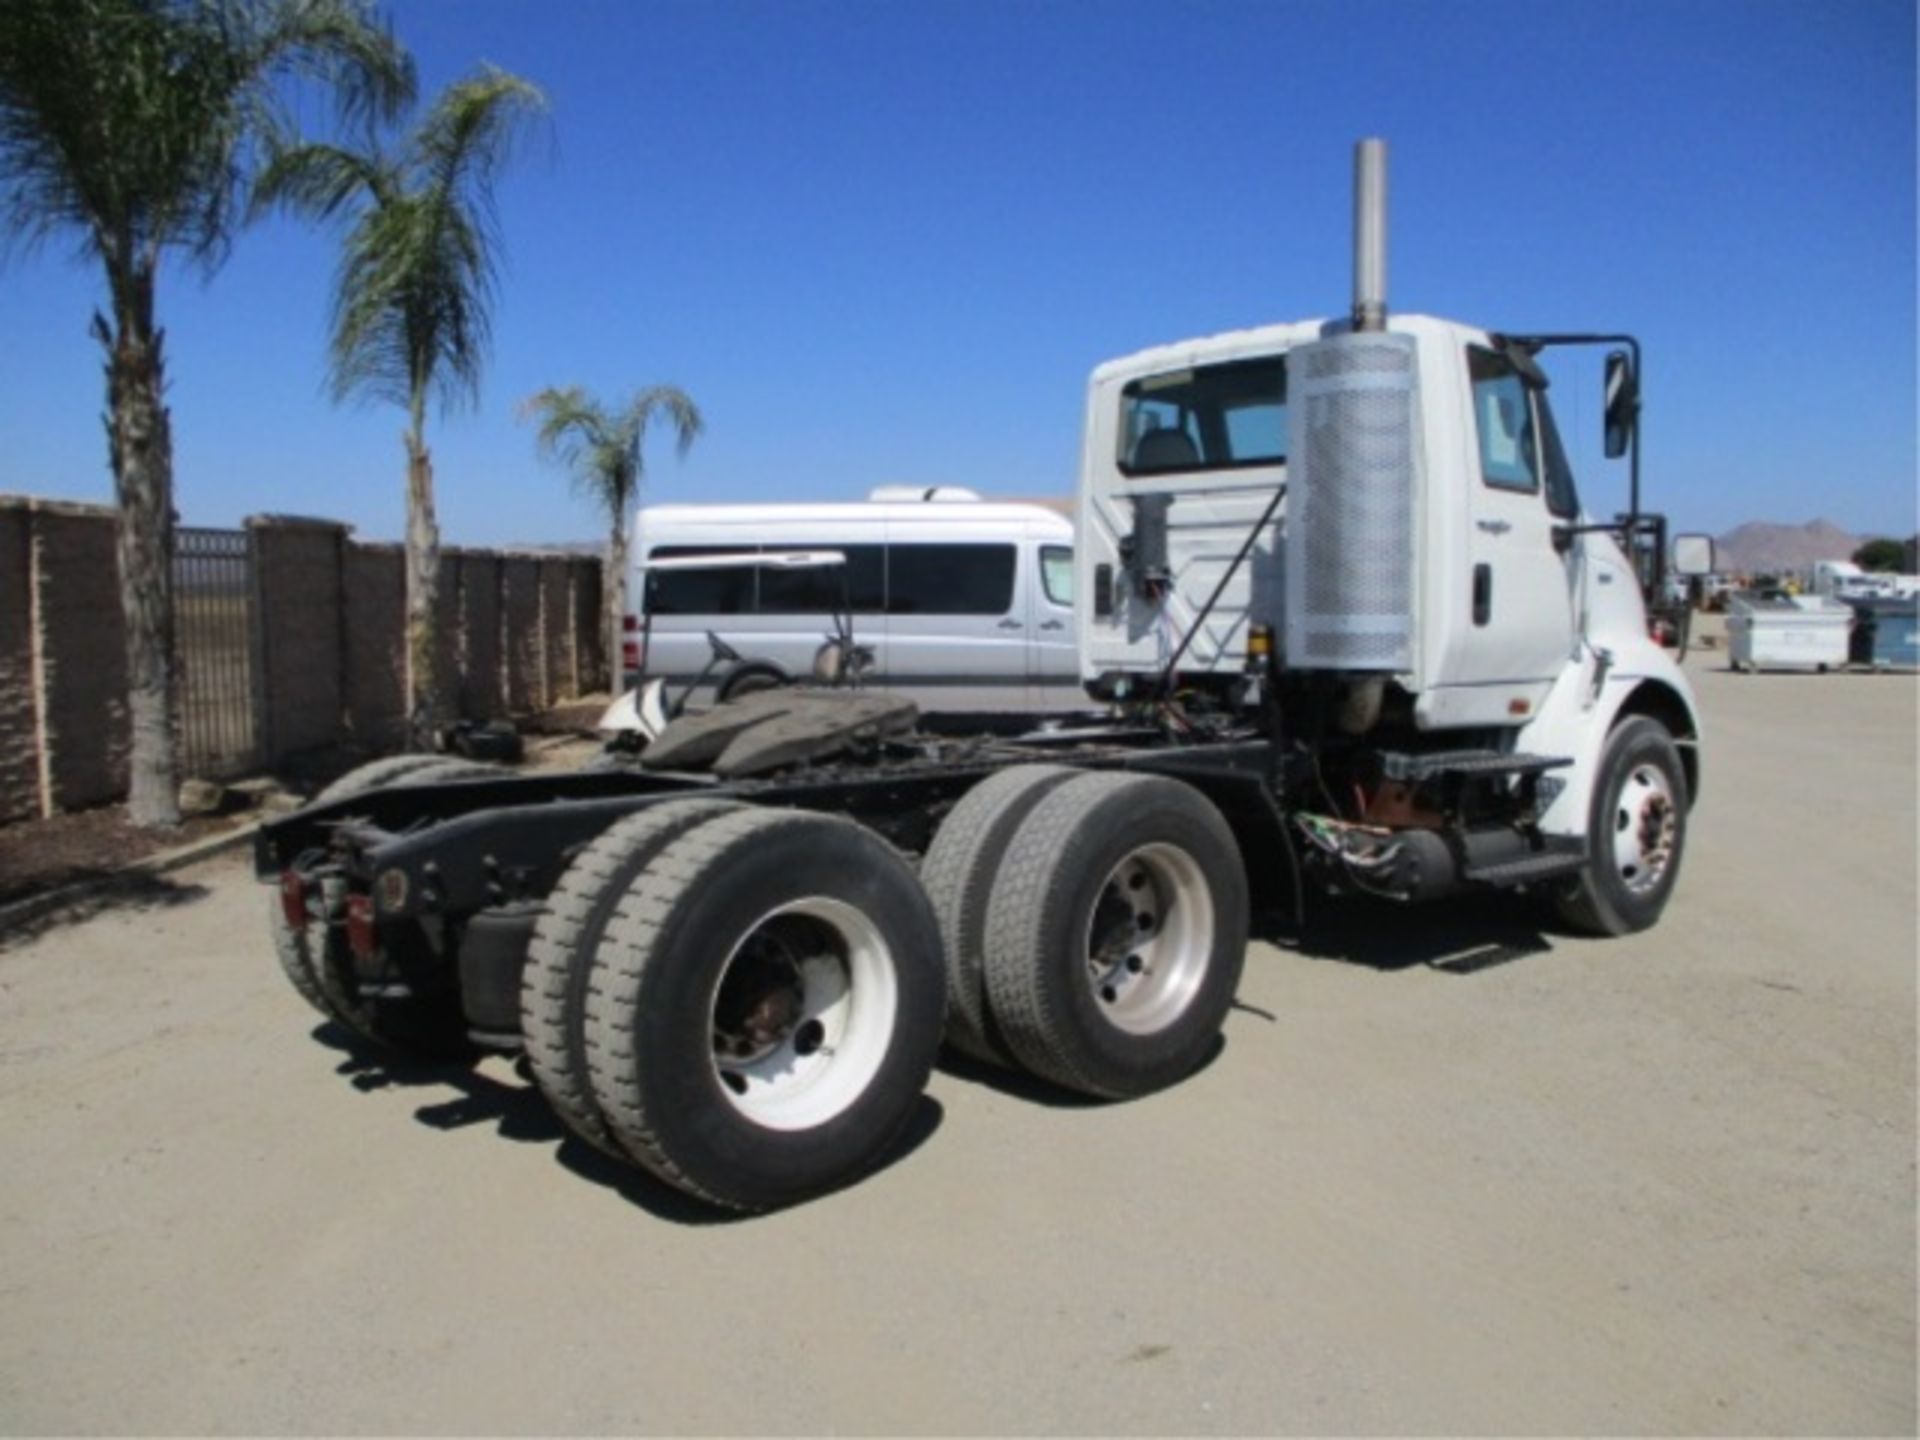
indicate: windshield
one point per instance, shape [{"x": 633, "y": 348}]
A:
[{"x": 1212, "y": 417}]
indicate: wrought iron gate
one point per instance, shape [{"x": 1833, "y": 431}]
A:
[{"x": 213, "y": 650}]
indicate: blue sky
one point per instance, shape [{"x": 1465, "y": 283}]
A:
[{"x": 886, "y": 242}]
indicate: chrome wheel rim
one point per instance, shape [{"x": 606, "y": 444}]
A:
[
  {"x": 1149, "y": 939},
  {"x": 1646, "y": 825},
  {"x": 802, "y": 1013}
]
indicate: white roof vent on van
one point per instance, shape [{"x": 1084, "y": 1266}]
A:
[{"x": 922, "y": 492}]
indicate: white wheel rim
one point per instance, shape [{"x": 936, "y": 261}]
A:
[
  {"x": 802, "y": 1013},
  {"x": 1645, "y": 823},
  {"x": 1149, "y": 939}
]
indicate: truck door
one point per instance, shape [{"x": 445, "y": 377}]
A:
[{"x": 1520, "y": 597}]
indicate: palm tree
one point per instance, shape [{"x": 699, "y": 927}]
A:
[
  {"x": 130, "y": 127},
  {"x": 604, "y": 451},
  {"x": 413, "y": 297}
]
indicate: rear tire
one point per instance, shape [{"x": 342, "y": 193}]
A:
[
  {"x": 765, "y": 1008},
  {"x": 1116, "y": 934},
  {"x": 315, "y": 958},
  {"x": 553, "y": 987},
  {"x": 958, "y": 873},
  {"x": 1636, "y": 833}
]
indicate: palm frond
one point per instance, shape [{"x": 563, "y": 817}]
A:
[
  {"x": 602, "y": 449},
  {"x": 132, "y": 125}
]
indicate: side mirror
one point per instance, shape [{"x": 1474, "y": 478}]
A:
[
  {"x": 1692, "y": 555},
  {"x": 1623, "y": 402}
]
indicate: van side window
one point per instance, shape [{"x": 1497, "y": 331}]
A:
[
  {"x": 1503, "y": 414},
  {"x": 1056, "y": 573},
  {"x": 949, "y": 579},
  {"x": 700, "y": 592},
  {"x": 818, "y": 592}
]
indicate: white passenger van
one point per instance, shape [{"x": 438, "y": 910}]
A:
[{"x": 966, "y": 604}]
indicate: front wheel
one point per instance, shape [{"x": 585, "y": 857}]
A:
[{"x": 1636, "y": 833}]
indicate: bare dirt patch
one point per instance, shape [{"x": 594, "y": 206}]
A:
[{"x": 40, "y": 855}]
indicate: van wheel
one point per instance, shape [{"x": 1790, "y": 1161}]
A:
[
  {"x": 958, "y": 873},
  {"x": 553, "y": 986},
  {"x": 765, "y": 1007},
  {"x": 1636, "y": 833},
  {"x": 1116, "y": 934}
]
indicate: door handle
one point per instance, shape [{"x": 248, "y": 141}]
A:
[
  {"x": 1053, "y": 625},
  {"x": 1011, "y": 625},
  {"x": 1482, "y": 594}
]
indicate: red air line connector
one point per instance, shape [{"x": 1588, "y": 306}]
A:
[
  {"x": 293, "y": 899},
  {"x": 360, "y": 926}
]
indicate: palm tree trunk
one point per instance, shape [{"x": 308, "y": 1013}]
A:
[
  {"x": 140, "y": 442},
  {"x": 614, "y": 587},
  {"x": 423, "y": 597}
]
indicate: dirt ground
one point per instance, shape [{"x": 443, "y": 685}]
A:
[{"x": 1449, "y": 1174}]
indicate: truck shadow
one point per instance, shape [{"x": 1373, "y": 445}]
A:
[
  {"x": 1020, "y": 1085},
  {"x": 1460, "y": 936},
  {"x": 520, "y": 1112}
]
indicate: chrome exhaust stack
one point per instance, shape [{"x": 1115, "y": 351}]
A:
[{"x": 1370, "y": 235}]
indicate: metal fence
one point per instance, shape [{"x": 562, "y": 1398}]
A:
[{"x": 213, "y": 596}]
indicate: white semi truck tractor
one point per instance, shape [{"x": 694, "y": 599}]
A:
[{"x": 1355, "y": 634}]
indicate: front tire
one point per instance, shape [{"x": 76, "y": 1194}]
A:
[
  {"x": 1116, "y": 934},
  {"x": 765, "y": 1008},
  {"x": 1636, "y": 833}
]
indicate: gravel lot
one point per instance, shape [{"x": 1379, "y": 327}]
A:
[{"x": 1448, "y": 1175}]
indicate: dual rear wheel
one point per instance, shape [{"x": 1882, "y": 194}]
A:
[{"x": 1095, "y": 925}]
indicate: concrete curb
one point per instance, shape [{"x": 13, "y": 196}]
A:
[{"x": 21, "y": 912}]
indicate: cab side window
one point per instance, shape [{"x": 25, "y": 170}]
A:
[{"x": 1503, "y": 415}]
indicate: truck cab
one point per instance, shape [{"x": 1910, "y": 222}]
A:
[{"x": 1393, "y": 514}]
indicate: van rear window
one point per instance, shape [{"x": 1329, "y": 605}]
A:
[{"x": 950, "y": 579}]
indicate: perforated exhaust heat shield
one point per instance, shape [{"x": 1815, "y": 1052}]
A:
[{"x": 1353, "y": 478}]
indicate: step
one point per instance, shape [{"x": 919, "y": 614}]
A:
[
  {"x": 1558, "y": 857},
  {"x": 1435, "y": 764}
]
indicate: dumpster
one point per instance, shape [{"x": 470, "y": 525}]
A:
[
  {"x": 1886, "y": 632},
  {"x": 1770, "y": 630}
]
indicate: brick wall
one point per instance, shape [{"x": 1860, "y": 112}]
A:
[
  {"x": 299, "y": 600},
  {"x": 374, "y": 631},
  {"x": 19, "y": 722},
  {"x": 326, "y": 644}
]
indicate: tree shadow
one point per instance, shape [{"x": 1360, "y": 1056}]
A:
[
  {"x": 1462, "y": 935},
  {"x": 30, "y": 920},
  {"x": 519, "y": 1112}
]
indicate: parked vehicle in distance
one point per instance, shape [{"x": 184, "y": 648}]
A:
[{"x": 966, "y": 604}]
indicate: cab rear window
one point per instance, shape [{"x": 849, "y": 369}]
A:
[{"x": 1210, "y": 417}]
